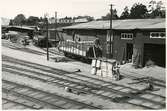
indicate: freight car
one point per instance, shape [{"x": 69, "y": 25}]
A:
[{"x": 77, "y": 49}]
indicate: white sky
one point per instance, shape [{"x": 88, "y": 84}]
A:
[{"x": 95, "y": 8}]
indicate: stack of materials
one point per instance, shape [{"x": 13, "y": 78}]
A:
[
  {"x": 78, "y": 48},
  {"x": 103, "y": 68}
]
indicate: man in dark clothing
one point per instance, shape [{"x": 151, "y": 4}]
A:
[{"x": 95, "y": 51}]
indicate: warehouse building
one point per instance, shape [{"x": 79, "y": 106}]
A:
[{"x": 136, "y": 40}]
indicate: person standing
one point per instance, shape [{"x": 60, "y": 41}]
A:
[{"x": 95, "y": 51}]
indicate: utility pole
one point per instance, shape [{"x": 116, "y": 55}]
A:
[
  {"x": 47, "y": 41},
  {"x": 55, "y": 26},
  {"x": 111, "y": 32}
]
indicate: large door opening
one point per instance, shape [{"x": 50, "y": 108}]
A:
[
  {"x": 155, "y": 52},
  {"x": 129, "y": 51}
]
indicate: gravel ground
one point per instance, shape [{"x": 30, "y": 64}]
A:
[{"x": 153, "y": 71}]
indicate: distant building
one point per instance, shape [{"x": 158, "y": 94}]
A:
[
  {"x": 65, "y": 20},
  {"x": 81, "y": 20},
  {"x": 68, "y": 20},
  {"x": 23, "y": 29}
]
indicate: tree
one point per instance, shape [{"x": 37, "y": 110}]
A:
[
  {"x": 32, "y": 20},
  {"x": 19, "y": 19},
  {"x": 108, "y": 15},
  {"x": 125, "y": 14},
  {"x": 156, "y": 9},
  {"x": 11, "y": 22},
  {"x": 89, "y": 18},
  {"x": 138, "y": 11}
]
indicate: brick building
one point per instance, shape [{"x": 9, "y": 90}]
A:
[{"x": 142, "y": 38}]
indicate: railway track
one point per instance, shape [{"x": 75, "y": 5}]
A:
[
  {"x": 47, "y": 98},
  {"x": 101, "y": 92},
  {"x": 17, "y": 46},
  {"x": 53, "y": 51},
  {"x": 53, "y": 77},
  {"x": 16, "y": 104},
  {"x": 64, "y": 73},
  {"x": 79, "y": 88},
  {"x": 154, "y": 81},
  {"x": 88, "y": 90},
  {"x": 21, "y": 94}
]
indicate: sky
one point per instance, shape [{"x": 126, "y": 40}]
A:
[{"x": 96, "y": 8}]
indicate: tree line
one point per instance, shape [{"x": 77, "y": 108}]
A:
[
  {"x": 137, "y": 11},
  {"x": 20, "y": 19}
]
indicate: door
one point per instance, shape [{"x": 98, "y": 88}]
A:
[{"x": 129, "y": 51}]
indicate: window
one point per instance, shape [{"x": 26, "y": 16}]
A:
[
  {"x": 157, "y": 35},
  {"x": 128, "y": 36}
]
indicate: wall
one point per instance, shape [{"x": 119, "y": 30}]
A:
[
  {"x": 143, "y": 37},
  {"x": 140, "y": 38},
  {"x": 119, "y": 45}
]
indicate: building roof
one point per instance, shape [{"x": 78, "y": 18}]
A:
[
  {"x": 22, "y": 27},
  {"x": 128, "y": 24},
  {"x": 57, "y": 29},
  {"x": 12, "y": 33}
]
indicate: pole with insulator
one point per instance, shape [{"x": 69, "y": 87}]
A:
[
  {"x": 55, "y": 26},
  {"x": 47, "y": 41},
  {"x": 110, "y": 44}
]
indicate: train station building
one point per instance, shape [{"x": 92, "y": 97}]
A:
[{"x": 132, "y": 40}]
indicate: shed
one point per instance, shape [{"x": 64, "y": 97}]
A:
[{"x": 133, "y": 39}]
